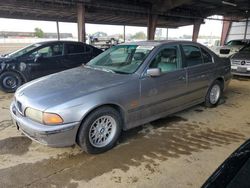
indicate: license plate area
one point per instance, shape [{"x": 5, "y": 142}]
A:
[{"x": 241, "y": 69}]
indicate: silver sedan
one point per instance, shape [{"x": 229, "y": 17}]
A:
[
  {"x": 240, "y": 62},
  {"x": 124, "y": 87}
]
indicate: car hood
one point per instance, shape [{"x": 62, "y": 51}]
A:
[
  {"x": 6, "y": 59},
  {"x": 68, "y": 85},
  {"x": 241, "y": 56}
]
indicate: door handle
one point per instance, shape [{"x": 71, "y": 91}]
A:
[
  {"x": 203, "y": 76},
  {"x": 182, "y": 78}
]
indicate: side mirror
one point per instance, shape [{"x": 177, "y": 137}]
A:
[
  {"x": 37, "y": 57},
  {"x": 154, "y": 72}
]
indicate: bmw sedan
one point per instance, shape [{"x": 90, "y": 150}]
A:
[
  {"x": 41, "y": 59},
  {"x": 124, "y": 87}
]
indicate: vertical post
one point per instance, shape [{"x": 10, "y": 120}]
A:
[
  {"x": 225, "y": 30},
  {"x": 124, "y": 33},
  {"x": 58, "y": 31},
  {"x": 245, "y": 34},
  {"x": 196, "y": 30},
  {"x": 81, "y": 22},
  {"x": 152, "y": 22},
  {"x": 167, "y": 34}
]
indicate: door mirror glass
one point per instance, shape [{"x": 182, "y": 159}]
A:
[{"x": 154, "y": 72}]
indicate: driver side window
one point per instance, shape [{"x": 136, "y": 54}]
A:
[
  {"x": 49, "y": 51},
  {"x": 168, "y": 59},
  {"x": 45, "y": 52}
]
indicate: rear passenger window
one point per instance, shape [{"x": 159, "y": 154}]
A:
[
  {"x": 207, "y": 58},
  {"x": 192, "y": 55},
  {"x": 75, "y": 48}
]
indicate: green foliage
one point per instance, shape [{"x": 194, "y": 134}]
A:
[
  {"x": 39, "y": 32},
  {"x": 139, "y": 35}
]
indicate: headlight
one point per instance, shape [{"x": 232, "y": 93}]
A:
[
  {"x": 34, "y": 114},
  {"x": 43, "y": 117}
]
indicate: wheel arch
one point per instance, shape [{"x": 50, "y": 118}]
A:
[
  {"x": 24, "y": 79},
  {"x": 117, "y": 107},
  {"x": 222, "y": 80}
]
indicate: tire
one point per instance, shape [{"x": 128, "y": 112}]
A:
[
  {"x": 214, "y": 94},
  {"x": 10, "y": 81},
  {"x": 88, "y": 139}
]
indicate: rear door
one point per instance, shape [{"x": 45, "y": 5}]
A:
[
  {"x": 165, "y": 92},
  {"x": 77, "y": 54},
  {"x": 200, "y": 70}
]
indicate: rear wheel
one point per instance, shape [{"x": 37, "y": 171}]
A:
[
  {"x": 10, "y": 81},
  {"x": 214, "y": 94},
  {"x": 100, "y": 130}
]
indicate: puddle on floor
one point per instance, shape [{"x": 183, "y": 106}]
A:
[{"x": 15, "y": 145}]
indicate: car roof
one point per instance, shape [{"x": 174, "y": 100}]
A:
[
  {"x": 159, "y": 42},
  {"x": 57, "y": 41}
]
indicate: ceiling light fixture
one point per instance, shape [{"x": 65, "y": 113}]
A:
[{"x": 229, "y": 3}]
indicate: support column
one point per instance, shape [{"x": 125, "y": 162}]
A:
[
  {"x": 81, "y": 22},
  {"x": 58, "y": 31},
  {"x": 245, "y": 34},
  {"x": 225, "y": 30},
  {"x": 124, "y": 33},
  {"x": 167, "y": 34},
  {"x": 152, "y": 22},
  {"x": 196, "y": 30}
]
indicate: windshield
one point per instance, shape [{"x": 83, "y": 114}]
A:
[
  {"x": 124, "y": 59},
  {"x": 23, "y": 50},
  {"x": 246, "y": 49},
  {"x": 236, "y": 42}
]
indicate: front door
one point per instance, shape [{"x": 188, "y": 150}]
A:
[
  {"x": 164, "y": 93},
  {"x": 46, "y": 60}
]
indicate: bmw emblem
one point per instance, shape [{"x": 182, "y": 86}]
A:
[{"x": 243, "y": 63}]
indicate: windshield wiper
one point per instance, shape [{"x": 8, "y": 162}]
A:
[
  {"x": 99, "y": 68},
  {"x": 120, "y": 72}
]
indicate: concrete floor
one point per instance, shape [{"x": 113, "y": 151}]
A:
[{"x": 178, "y": 151}]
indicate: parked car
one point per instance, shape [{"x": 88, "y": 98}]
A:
[
  {"x": 240, "y": 62},
  {"x": 234, "y": 172},
  {"x": 231, "y": 47},
  {"x": 124, "y": 87},
  {"x": 104, "y": 38},
  {"x": 41, "y": 59}
]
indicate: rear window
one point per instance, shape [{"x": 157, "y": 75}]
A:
[
  {"x": 207, "y": 58},
  {"x": 75, "y": 48},
  {"x": 192, "y": 55}
]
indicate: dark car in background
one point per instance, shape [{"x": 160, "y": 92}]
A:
[
  {"x": 240, "y": 62},
  {"x": 234, "y": 172},
  {"x": 41, "y": 59}
]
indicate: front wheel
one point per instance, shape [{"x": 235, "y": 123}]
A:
[
  {"x": 100, "y": 130},
  {"x": 10, "y": 81},
  {"x": 214, "y": 94}
]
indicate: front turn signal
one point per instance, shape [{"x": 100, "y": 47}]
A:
[{"x": 52, "y": 119}]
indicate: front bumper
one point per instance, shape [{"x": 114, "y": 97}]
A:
[
  {"x": 54, "y": 136},
  {"x": 235, "y": 71}
]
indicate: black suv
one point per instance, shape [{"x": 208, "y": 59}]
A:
[{"x": 41, "y": 59}]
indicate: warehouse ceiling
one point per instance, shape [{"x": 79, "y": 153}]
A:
[{"x": 171, "y": 13}]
